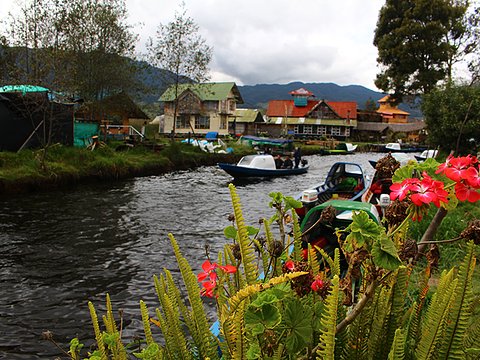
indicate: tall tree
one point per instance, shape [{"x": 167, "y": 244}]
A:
[
  {"x": 416, "y": 44},
  {"x": 452, "y": 116},
  {"x": 181, "y": 51}
]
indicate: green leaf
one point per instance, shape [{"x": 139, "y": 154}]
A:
[
  {"x": 385, "y": 254},
  {"x": 152, "y": 349},
  {"x": 452, "y": 200},
  {"x": 403, "y": 173},
  {"x": 251, "y": 230},
  {"x": 364, "y": 225},
  {"x": 267, "y": 314},
  {"x": 292, "y": 203},
  {"x": 297, "y": 320},
  {"x": 230, "y": 232}
]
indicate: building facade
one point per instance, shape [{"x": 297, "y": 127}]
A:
[{"x": 201, "y": 108}]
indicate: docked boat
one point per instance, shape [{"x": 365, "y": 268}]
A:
[
  {"x": 396, "y": 147},
  {"x": 275, "y": 146},
  {"x": 341, "y": 149},
  {"x": 426, "y": 154},
  {"x": 344, "y": 181},
  {"x": 260, "y": 166}
]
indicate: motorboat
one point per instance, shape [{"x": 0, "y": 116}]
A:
[{"x": 261, "y": 166}]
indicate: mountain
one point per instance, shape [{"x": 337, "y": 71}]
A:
[{"x": 258, "y": 96}]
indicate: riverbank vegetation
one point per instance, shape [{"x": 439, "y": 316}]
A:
[{"x": 25, "y": 171}]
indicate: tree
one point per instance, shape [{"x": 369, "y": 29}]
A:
[
  {"x": 451, "y": 113},
  {"x": 181, "y": 51},
  {"x": 417, "y": 44},
  {"x": 370, "y": 105}
]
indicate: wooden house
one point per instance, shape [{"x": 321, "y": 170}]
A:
[
  {"x": 391, "y": 114},
  {"x": 247, "y": 121},
  {"x": 303, "y": 116},
  {"x": 203, "y": 108}
]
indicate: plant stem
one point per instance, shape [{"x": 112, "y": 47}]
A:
[{"x": 432, "y": 229}]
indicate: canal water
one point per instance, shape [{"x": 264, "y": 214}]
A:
[{"x": 61, "y": 249}]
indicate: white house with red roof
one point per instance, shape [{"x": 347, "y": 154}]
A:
[{"x": 305, "y": 116}]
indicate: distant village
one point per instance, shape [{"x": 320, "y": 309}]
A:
[{"x": 216, "y": 107}]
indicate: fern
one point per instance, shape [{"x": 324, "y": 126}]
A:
[
  {"x": 378, "y": 336},
  {"x": 98, "y": 334},
  {"x": 412, "y": 330},
  {"x": 313, "y": 261},
  {"x": 336, "y": 263},
  {"x": 297, "y": 237},
  {"x": 265, "y": 256},
  {"x": 326, "y": 257},
  {"x": 329, "y": 323},
  {"x": 398, "y": 346},
  {"x": 453, "y": 337},
  {"x": 206, "y": 344},
  {"x": 436, "y": 317},
  {"x": 246, "y": 248}
]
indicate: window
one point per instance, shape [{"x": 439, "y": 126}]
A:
[
  {"x": 232, "y": 105},
  {"x": 183, "y": 122},
  {"x": 298, "y": 129},
  {"x": 202, "y": 122},
  {"x": 336, "y": 130},
  {"x": 322, "y": 130},
  {"x": 347, "y": 131},
  {"x": 307, "y": 129},
  {"x": 223, "y": 122}
]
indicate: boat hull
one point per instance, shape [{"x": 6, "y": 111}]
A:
[{"x": 244, "y": 172}]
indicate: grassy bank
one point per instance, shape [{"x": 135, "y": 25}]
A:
[{"x": 25, "y": 172}]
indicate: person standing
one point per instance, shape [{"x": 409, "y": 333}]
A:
[
  {"x": 278, "y": 162},
  {"x": 297, "y": 155}
]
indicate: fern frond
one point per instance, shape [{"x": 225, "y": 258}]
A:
[
  {"x": 297, "y": 237},
  {"x": 336, "y": 263},
  {"x": 325, "y": 256},
  {"x": 436, "y": 318},
  {"x": 399, "y": 290},
  {"x": 378, "y": 335},
  {"x": 146, "y": 323},
  {"x": 451, "y": 346},
  {"x": 241, "y": 346},
  {"x": 98, "y": 334},
  {"x": 412, "y": 330},
  {"x": 166, "y": 335},
  {"x": 313, "y": 261},
  {"x": 475, "y": 303},
  {"x": 207, "y": 344},
  {"x": 397, "y": 351},
  {"x": 341, "y": 340},
  {"x": 246, "y": 248},
  {"x": 266, "y": 256},
  {"x": 329, "y": 323}
]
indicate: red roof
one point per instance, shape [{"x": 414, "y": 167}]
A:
[
  {"x": 302, "y": 92},
  {"x": 282, "y": 108}
]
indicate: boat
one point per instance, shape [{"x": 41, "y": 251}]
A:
[
  {"x": 260, "y": 166},
  {"x": 426, "y": 154},
  {"x": 344, "y": 181},
  {"x": 341, "y": 149},
  {"x": 274, "y": 146},
  {"x": 401, "y": 157},
  {"x": 397, "y": 147}
]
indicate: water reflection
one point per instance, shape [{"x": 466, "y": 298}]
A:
[{"x": 61, "y": 249}]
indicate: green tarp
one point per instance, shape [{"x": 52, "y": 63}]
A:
[{"x": 83, "y": 132}]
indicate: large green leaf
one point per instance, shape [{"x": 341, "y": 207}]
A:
[
  {"x": 297, "y": 320},
  {"x": 292, "y": 203},
  {"x": 403, "y": 173},
  {"x": 230, "y": 232},
  {"x": 385, "y": 253}
]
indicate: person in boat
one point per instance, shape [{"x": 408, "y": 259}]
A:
[
  {"x": 297, "y": 155},
  {"x": 278, "y": 162},
  {"x": 287, "y": 164},
  {"x": 267, "y": 151}
]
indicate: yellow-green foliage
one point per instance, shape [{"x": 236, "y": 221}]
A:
[{"x": 329, "y": 323}]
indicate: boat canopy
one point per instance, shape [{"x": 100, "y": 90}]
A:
[
  {"x": 258, "y": 162},
  {"x": 266, "y": 141}
]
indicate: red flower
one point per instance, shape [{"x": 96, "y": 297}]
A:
[
  {"x": 290, "y": 265},
  {"x": 467, "y": 191},
  {"x": 208, "y": 288},
  {"x": 458, "y": 167},
  {"x": 401, "y": 190},
  {"x": 317, "y": 284},
  {"x": 473, "y": 177},
  {"x": 444, "y": 166},
  {"x": 209, "y": 271},
  {"x": 228, "y": 268}
]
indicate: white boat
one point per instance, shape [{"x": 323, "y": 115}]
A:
[{"x": 426, "y": 154}]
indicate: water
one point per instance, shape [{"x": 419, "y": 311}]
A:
[{"x": 61, "y": 249}]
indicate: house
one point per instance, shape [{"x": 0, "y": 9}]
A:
[
  {"x": 247, "y": 121},
  {"x": 202, "y": 108},
  {"x": 304, "y": 116},
  {"x": 393, "y": 120},
  {"x": 116, "y": 113},
  {"x": 391, "y": 114},
  {"x": 27, "y": 113}
]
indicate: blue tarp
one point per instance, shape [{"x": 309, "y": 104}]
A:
[{"x": 211, "y": 135}]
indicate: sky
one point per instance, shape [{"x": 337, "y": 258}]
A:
[{"x": 276, "y": 41}]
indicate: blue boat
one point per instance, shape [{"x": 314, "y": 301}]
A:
[
  {"x": 259, "y": 166},
  {"x": 345, "y": 181}
]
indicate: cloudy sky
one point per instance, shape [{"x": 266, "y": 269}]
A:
[{"x": 276, "y": 41}]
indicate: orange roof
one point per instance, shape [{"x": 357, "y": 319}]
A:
[{"x": 287, "y": 108}]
